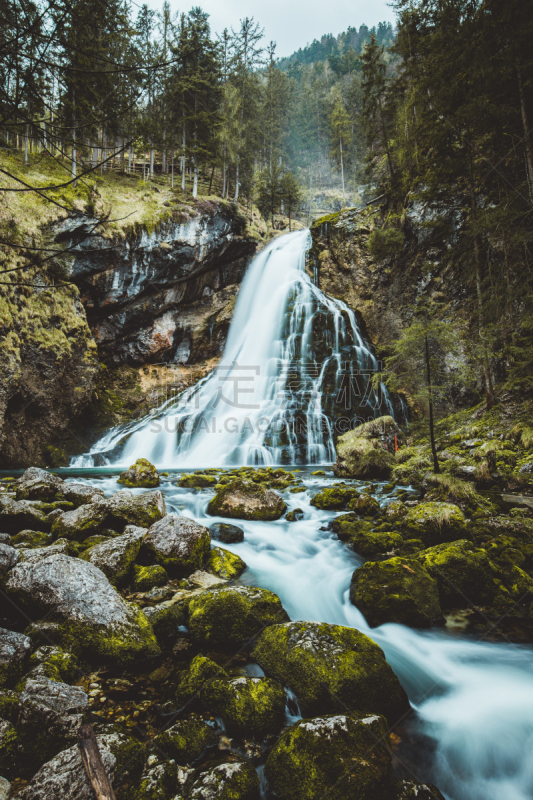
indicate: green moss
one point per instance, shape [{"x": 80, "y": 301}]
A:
[
  {"x": 146, "y": 578},
  {"x": 232, "y": 615},
  {"x": 435, "y": 522},
  {"x": 165, "y": 618},
  {"x": 335, "y": 497},
  {"x": 185, "y": 741},
  {"x": 8, "y": 749},
  {"x": 30, "y": 539},
  {"x": 197, "y": 480},
  {"x": 224, "y": 564},
  {"x": 248, "y": 706},
  {"x": 463, "y": 573},
  {"x": 157, "y": 782},
  {"x": 341, "y": 758},
  {"x": 330, "y": 668},
  {"x": 397, "y": 590},
  {"x": 202, "y": 671},
  {"x": 236, "y": 780},
  {"x": 142, "y": 474},
  {"x": 365, "y": 506},
  {"x": 366, "y": 542},
  {"x": 56, "y": 664},
  {"x": 84, "y": 521},
  {"x": 9, "y": 705}
]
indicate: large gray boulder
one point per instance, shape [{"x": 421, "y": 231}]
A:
[
  {"x": 125, "y": 508},
  {"x": 38, "y": 484},
  {"x": 85, "y": 614},
  {"x": 80, "y": 493},
  {"x": 84, "y": 521},
  {"x": 17, "y": 516},
  {"x": 50, "y": 715},
  {"x": 8, "y": 557},
  {"x": 247, "y": 500},
  {"x": 14, "y": 649},
  {"x": 178, "y": 544},
  {"x": 235, "y": 780},
  {"x": 116, "y": 556}
]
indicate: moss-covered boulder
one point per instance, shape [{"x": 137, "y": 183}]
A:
[
  {"x": 338, "y": 757},
  {"x": 234, "y": 780},
  {"x": 18, "y": 516},
  {"x": 335, "y": 498},
  {"x": 200, "y": 674},
  {"x": 84, "y": 613},
  {"x": 28, "y": 540},
  {"x": 141, "y": 475},
  {"x": 8, "y": 749},
  {"x": 434, "y": 522},
  {"x": 125, "y": 508},
  {"x": 54, "y": 663},
  {"x": 165, "y": 618},
  {"x": 365, "y": 506},
  {"x": 226, "y": 616},
  {"x": 397, "y": 590},
  {"x": 158, "y": 781},
  {"x": 8, "y": 557},
  {"x": 361, "y": 538},
  {"x": 38, "y": 484},
  {"x": 14, "y": 651},
  {"x": 361, "y": 453},
  {"x": 295, "y": 515},
  {"x": 242, "y": 499},
  {"x": 224, "y": 564},
  {"x": 185, "y": 741},
  {"x": 146, "y": 578},
  {"x": 330, "y": 668},
  {"x": 248, "y": 706},
  {"x": 463, "y": 573},
  {"x": 80, "y": 523},
  {"x": 178, "y": 544},
  {"x": 115, "y": 556},
  {"x": 79, "y": 494},
  {"x": 197, "y": 480},
  {"x": 226, "y": 533}
]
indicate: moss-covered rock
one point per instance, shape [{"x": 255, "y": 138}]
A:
[
  {"x": 158, "y": 781},
  {"x": 87, "y": 520},
  {"x": 224, "y": 564},
  {"x": 434, "y": 522},
  {"x": 115, "y": 556},
  {"x": 463, "y": 573},
  {"x": 79, "y": 494},
  {"x": 365, "y": 506},
  {"x": 232, "y": 615},
  {"x": 295, "y": 515},
  {"x": 28, "y": 540},
  {"x": 54, "y": 663},
  {"x": 201, "y": 673},
  {"x": 360, "y": 452},
  {"x": 8, "y": 749},
  {"x": 225, "y": 533},
  {"x": 248, "y": 706},
  {"x": 338, "y": 757},
  {"x": 142, "y": 474},
  {"x": 235, "y": 780},
  {"x": 125, "y": 508},
  {"x": 331, "y": 667},
  {"x": 14, "y": 651},
  {"x": 146, "y": 578},
  {"x": 397, "y": 590},
  {"x": 185, "y": 741},
  {"x": 197, "y": 480},
  {"x": 38, "y": 484},
  {"x": 335, "y": 498},
  {"x": 165, "y": 618},
  {"x": 18, "y": 516},
  {"x": 178, "y": 544},
  {"x": 366, "y": 542},
  {"x": 242, "y": 499},
  {"x": 9, "y": 705}
]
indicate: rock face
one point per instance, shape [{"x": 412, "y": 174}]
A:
[
  {"x": 327, "y": 666},
  {"x": 339, "y": 757},
  {"x": 246, "y": 500},
  {"x": 233, "y": 615},
  {"x": 178, "y": 544},
  {"x": 397, "y": 590},
  {"x": 84, "y": 612}
]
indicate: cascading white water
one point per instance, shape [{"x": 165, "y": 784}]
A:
[{"x": 294, "y": 366}]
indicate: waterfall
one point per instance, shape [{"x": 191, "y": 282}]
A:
[{"x": 295, "y": 373}]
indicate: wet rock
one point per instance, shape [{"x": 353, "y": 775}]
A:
[
  {"x": 142, "y": 474},
  {"x": 185, "y": 741},
  {"x": 198, "y": 480},
  {"x": 84, "y": 521},
  {"x": 233, "y": 615},
  {"x": 202, "y": 671},
  {"x": 411, "y": 790},
  {"x": 50, "y": 715},
  {"x": 146, "y": 578},
  {"x": 338, "y": 757},
  {"x": 225, "y": 533},
  {"x": 366, "y": 542},
  {"x": 463, "y": 573},
  {"x": 295, "y": 515},
  {"x": 38, "y": 484},
  {"x": 80, "y": 493},
  {"x": 14, "y": 650},
  {"x": 434, "y": 522},
  {"x": 231, "y": 781},
  {"x": 8, "y": 557},
  {"x": 365, "y": 506},
  {"x": 251, "y": 706},
  {"x": 65, "y": 777},
  {"x": 247, "y": 500},
  {"x": 85, "y": 614},
  {"x": 115, "y": 557},
  {"x": 125, "y": 508},
  {"x": 397, "y": 590},
  {"x": 327, "y": 666},
  {"x": 224, "y": 564},
  {"x": 17, "y": 516},
  {"x": 178, "y": 544},
  {"x": 335, "y": 498}
]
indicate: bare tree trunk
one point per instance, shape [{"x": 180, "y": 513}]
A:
[
  {"x": 151, "y": 163},
  {"x": 342, "y": 173},
  {"x": 527, "y": 133},
  {"x": 236, "y": 197},
  {"x": 436, "y": 467}
]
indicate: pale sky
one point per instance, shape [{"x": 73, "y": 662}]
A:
[{"x": 290, "y": 23}]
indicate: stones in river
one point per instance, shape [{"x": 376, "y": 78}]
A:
[
  {"x": 178, "y": 544},
  {"x": 125, "y": 508},
  {"x": 331, "y": 668},
  {"x": 226, "y": 533},
  {"x": 85, "y": 614},
  {"x": 338, "y": 757},
  {"x": 397, "y": 590},
  {"x": 335, "y": 498},
  {"x": 248, "y": 706},
  {"x": 242, "y": 499},
  {"x": 233, "y": 615},
  {"x": 185, "y": 741},
  {"x": 295, "y": 515},
  {"x": 142, "y": 474},
  {"x": 80, "y": 493},
  {"x": 14, "y": 650},
  {"x": 224, "y": 564}
]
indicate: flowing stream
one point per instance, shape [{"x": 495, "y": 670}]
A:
[{"x": 292, "y": 347}]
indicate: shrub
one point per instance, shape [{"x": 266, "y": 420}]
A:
[{"x": 385, "y": 243}]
